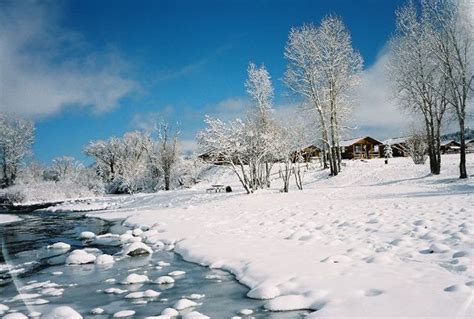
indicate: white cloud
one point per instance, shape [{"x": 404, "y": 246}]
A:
[
  {"x": 377, "y": 111},
  {"x": 45, "y": 68}
]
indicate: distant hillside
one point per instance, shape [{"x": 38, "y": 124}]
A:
[{"x": 455, "y": 136}]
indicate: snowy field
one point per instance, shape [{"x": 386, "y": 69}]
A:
[{"x": 378, "y": 240}]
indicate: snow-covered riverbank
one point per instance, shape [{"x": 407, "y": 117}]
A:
[{"x": 378, "y": 240}]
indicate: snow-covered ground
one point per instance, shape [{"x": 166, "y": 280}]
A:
[
  {"x": 377, "y": 240},
  {"x": 5, "y": 218}
]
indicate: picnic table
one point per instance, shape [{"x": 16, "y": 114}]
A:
[{"x": 216, "y": 188}]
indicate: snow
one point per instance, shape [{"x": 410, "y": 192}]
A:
[
  {"x": 86, "y": 235},
  {"x": 246, "y": 312},
  {"x": 97, "y": 311},
  {"x": 6, "y": 218},
  {"x": 104, "y": 260},
  {"x": 15, "y": 315},
  {"x": 124, "y": 313},
  {"x": 136, "y": 248},
  {"x": 60, "y": 246},
  {"x": 369, "y": 241},
  {"x": 135, "y": 279},
  {"x": 150, "y": 293},
  {"x": 177, "y": 273},
  {"x": 164, "y": 280},
  {"x": 184, "y": 303},
  {"x": 171, "y": 312},
  {"x": 80, "y": 256},
  {"x": 63, "y": 312}
]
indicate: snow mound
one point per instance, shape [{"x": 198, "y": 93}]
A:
[
  {"x": 78, "y": 257},
  {"x": 86, "y": 235},
  {"x": 287, "y": 303},
  {"x": 97, "y": 311},
  {"x": 115, "y": 291},
  {"x": 171, "y": 312},
  {"x": 60, "y": 246},
  {"x": 246, "y": 312},
  {"x": 135, "y": 279},
  {"x": 124, "y": 313},
  {"x": 177, "y": 273},
  {"x": 137, "y": 232},
  {"x": 164, "y": 280},
  {"x": 136, "y": 249},
  {"x": 264, "y": 292},
  {"x": 104, "y": 260},
  {"x": 184, "y": 304},
  {"x": 143, "y": 294},
  {"x": 63, "y": 312},
  {"x": 15, "y": 315}
]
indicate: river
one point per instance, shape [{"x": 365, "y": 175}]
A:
[{"x": 46, "y": 282}]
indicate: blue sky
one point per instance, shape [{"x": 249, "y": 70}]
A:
[{"x": 87, "y": 70}]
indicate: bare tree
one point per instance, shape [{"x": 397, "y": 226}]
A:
[
  {"x": 417, "y": 77},
  {"x": 324, "y": 68},
  {"x": 16, "y": 140}
]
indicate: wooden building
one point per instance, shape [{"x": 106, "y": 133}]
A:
[
  {"x": 398, "y": 145},
  {"x": 361, "y": 148},
  {"x": 470, "y": 146},
  {"x": 309, "y": 153},
  {"x": 450, "y": 147}
]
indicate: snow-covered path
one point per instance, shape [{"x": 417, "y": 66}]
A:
[{"x": 378, "y": 240}]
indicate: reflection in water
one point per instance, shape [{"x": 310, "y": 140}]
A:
[{"x": 47, "y": 282}]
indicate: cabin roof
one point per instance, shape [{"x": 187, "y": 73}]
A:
[
  {"x": 446, "y": 142},
  {"x": 353, "y": 141},
  {"x": 395, "y": 140}
]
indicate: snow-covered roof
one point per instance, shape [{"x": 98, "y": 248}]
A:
[
  {"x": 446, "y": 142},
  {"x": 395, "y": 140},
  {"x": 346, "y": 143}
]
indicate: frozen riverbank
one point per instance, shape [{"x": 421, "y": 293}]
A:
[
  {"x": 61, "y": 264},
  {"x": 378, "y": 240}
]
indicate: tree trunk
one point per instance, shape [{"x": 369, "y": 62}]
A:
[{"x": 462, "y": 162}]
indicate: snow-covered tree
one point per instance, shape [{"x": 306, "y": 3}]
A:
[
  {"x": 122, "y": 162},
  {"x": 260, "y": 89},
  {"x": 66, "y": 167},
  {"x": 417, "y": 77},
  {"x": 387, "y": 151},
  {"x": 415, "y": 145},
  {"x": 16, "y": 140},
  {"x": 226, "y": 143},
  {"x": 164, "y": 155},
  {"x": 452, "y": 42},
  {"x": 323, "y": 68}
]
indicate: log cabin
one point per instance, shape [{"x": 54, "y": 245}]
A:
[
  {"x": 361, "y": 148},
  {"x": 450, "y": 147},
  {"x": 309, "y": 153},
  {"x": 398, "y": 145},
  {"x": 470, "y": 146}
]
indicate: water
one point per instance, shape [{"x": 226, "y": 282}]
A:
[{"x": 25, "y": 263}]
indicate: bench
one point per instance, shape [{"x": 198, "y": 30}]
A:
[{"x": 216, "y": 189}]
